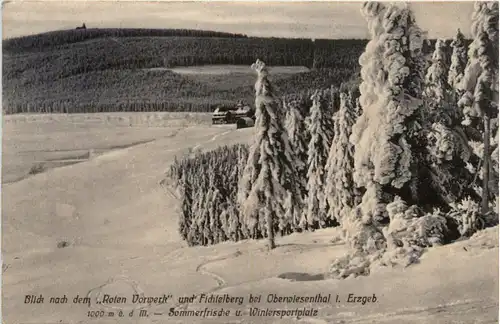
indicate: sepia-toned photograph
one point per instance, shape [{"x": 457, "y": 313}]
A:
[{"x": 250, "y": 162}]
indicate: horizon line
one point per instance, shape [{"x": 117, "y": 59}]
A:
[{"x": 194, "y": 29}]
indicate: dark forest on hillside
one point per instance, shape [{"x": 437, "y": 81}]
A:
[
  {"x": 41, "y": 41},
  {"x": 98, "y": 70}
]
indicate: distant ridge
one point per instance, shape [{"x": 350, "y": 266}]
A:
[{"x": 60, "y": 37}]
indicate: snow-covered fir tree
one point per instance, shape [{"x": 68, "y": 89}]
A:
[
  {"x": 390, "y": 154},
  {"x": 297, "y": 134},
  {"x": 447, "y": 140},
  {"x": 186, "y": 203},
  {"x": 370, "y": 89},
  {"x": 458, "y": 60},
  {"x": 242, "y": 155},
  {"x": 442, "y": 112},
  {"x": 214, "y": 209},
  {"x": 436, "y": 80},
  {"x": 269, "y": 178},
  {"x": 371, "y": 60},
  {"x": 480, "y": 87},
  {"x": 321, "y": 132},
  {"x": 340, "y": 190}
]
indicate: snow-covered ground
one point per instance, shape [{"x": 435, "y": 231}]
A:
[
  {"x": 229, "y": 69},
  {"x": 121, "y": 227},
  {"x": 52, "y": 140}
]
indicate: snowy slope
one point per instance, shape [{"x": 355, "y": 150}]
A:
[{"x": 122, "y": 230}]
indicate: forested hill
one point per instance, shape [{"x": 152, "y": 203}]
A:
[
  {"x": 117, "y": 69},
  {"x": 193, "y": 46},
  {"x": 41, "y": 41}
]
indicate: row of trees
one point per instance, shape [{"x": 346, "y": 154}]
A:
[
  {"x": 215, "y": 178},
  {"x": 401, "y": 165},
  {"x": 211, "y": 179},
  {"x": 153, "y": 52},
  {"x": 126, "y": 90},
  {"x": 73, "y": 107},
  {"x": 206, "y": 185}
]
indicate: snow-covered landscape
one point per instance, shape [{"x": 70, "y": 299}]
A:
[
  {"x": 372, "y": 202},
  {"x": 121, "y": 228}
]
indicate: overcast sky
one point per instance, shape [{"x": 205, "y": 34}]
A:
[{"x": 254, "y": 18}]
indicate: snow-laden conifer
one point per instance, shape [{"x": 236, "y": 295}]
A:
[
  {"x": 390, "y": 157},
  {"x": 446, "y": 137},
  {"x": 371, "y": 63},
  {"x": 480, "y": 87},
  {"x": 458, "y": 60},
  {"x": 387, "y": 131},
  {"x": 321, "y": 132},
  {"x": 297, "y": 134},
  {"x": 371, "y": 87},
  {"x": 269, "y": 176},
  {"x": 340, "y": 190},
  {"x": 436, "y": 79}
]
